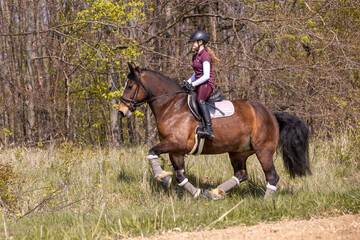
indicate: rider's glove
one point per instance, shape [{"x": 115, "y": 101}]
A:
[{"x": 187, "y": 86}]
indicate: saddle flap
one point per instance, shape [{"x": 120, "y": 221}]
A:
[
  {"x": 193, "y": 105},
  {"x": 216, "y": 96},
  {"x": 226, "y": 107}
]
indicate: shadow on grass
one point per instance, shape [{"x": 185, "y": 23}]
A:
[
  {"x": 247, "y": 188},
  {"x": 125, "y": 176},
  {"x": 250, "y": 187}
]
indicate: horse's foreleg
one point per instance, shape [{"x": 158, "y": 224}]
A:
[
  {"x": 160, "y": 175},
  {"x": 163, "y": 147},
  {"x": 178, "y": 163}
]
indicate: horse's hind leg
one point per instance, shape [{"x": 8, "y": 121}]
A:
[
  {"x": 238, "y": 162},
  {"x": 265, "y": 156}
]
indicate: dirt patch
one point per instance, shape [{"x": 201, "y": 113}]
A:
[{"x": 342, "y": 227}]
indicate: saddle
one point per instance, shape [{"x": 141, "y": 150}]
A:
[{"x": 217, "y": 106}]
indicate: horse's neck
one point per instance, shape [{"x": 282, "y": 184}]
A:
[{"x": 173, "y": 102}]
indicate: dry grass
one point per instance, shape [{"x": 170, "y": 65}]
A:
[{"x": 82, "y": 193}]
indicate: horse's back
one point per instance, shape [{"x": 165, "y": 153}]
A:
[
  {"x": 250, "y": 110},
  {"x": 251, "y": 125},
  {"x": 262, "y": 122}
]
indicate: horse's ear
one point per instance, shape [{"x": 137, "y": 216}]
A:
[{"x": 132, "y": 66}]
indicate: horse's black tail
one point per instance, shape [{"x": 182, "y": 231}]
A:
[{"x": 294, "y": 143}]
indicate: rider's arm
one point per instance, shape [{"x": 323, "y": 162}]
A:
[
  {"x": 205, "y": 76},
  {"x": 192, "y": 78}
]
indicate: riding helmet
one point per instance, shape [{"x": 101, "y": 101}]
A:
[{"x": 199, "y": 35}]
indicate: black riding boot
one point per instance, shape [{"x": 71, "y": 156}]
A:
[{"x": 207, "y": 132}]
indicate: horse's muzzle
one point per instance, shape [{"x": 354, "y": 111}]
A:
[{"x": 124, "y": 110}]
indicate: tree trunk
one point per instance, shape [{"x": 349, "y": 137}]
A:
[
  {"x": 68, "y": 108},
  {"x": 44, "y": 81},
  {"x": 89, "y": 127},
  {"x": 30, "y": 21},
  {"x": 147, "y": 125},
  {"x": 131, "y": 131},
  {"x": 114, "y": 123},
  {"x": 121, "y": 130},
  {"x": 212, "y": 22}
]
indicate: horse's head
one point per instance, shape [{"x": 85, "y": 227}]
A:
[{"x": 134, "y": 94}]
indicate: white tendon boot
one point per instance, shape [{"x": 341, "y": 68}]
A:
[
  {"x": 220, "y": 191},
  {"x": 190, "y": 188},
  {"x": 159, "y": 174},
  {"x": 270, "y": 190}
]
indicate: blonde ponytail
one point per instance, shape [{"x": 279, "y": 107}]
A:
[{"x": 213, "y": 57}]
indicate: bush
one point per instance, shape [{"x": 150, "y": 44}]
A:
[{"x": 8, "y": 184}]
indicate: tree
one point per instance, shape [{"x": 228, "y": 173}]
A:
[{"x": 63, "y": 64}]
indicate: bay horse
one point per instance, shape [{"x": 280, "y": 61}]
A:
[{"x": 252, "y": 129}]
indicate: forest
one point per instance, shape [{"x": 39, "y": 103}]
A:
[
  {"x": 63, "y": 63},
  {"x": 72, "y": 168}
]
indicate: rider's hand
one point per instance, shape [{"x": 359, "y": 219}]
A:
[{"x": 187, "y": 86}]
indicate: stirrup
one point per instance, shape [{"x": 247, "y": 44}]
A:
[
  {"x": 204, "y": 133},
  {"x": 210, "y": 136}
]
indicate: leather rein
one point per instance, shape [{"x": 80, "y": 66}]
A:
[{"x": 135, "y": 103}]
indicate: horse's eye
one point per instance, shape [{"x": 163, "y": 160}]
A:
[{"x": 130, "y": 86}]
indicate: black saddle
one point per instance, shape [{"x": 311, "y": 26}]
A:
[{"x": 214, "y": 97}]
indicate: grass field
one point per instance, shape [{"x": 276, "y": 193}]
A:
[{"x": 80, "y": 193}]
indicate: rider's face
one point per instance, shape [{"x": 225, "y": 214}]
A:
[{"x": 196, "y": 44}]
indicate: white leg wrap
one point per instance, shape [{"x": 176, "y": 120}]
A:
[
  {"x": 191, "y": 189},
  {"x": 149, "y": 157},
  {"x": 271, "y": 187},
  {"x": 183, "y": 182},
  {"x": 229, "y": 184},
  {"x": 157, "y": 170},
  {"x": 197, "y": 193},
  {"x": 236, "y": 179}
]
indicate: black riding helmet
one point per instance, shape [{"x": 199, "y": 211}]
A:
[{"x": 199, "y": 35}]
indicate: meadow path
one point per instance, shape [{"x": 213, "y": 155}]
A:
[{"x": 342, "y": 227}]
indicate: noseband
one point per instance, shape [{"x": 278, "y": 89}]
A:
[{"x": 135, "y": 103}]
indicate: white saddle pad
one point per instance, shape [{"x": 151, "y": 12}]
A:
[{"x": 225, "y": 106}]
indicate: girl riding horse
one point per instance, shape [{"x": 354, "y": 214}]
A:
[
  {"x": 252, "y": 129},
  {"x": 202, "y": 79}
]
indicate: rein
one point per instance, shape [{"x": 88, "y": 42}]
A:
[{"x": 135, "y": 103}]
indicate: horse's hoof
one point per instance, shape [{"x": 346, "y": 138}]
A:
[
  {"x": 214, "y": 194},
  {"x": 269, "y": 193},
  {"x": 206, "y": 194},
  {"x": 166, "y": 181}
]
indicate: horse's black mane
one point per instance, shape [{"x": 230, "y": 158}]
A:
[{"x": 162, "y": 76}]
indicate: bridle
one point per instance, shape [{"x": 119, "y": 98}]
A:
[
  {"x": 135, "y": 103},
  {"x": 134, "y": 98}
]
